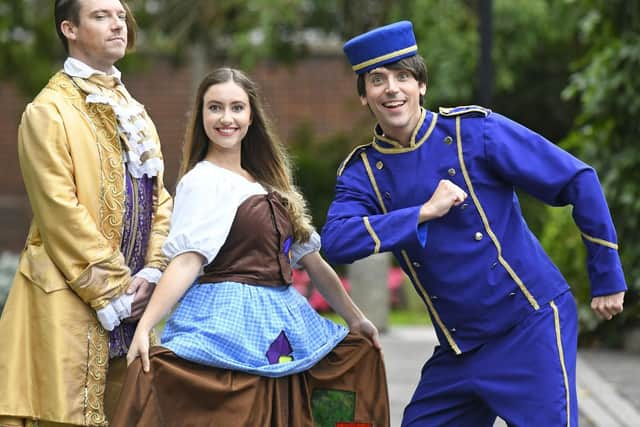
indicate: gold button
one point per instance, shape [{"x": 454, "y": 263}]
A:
[
  {"x": 452, "y": 172},
  {"x": 379, "y": 165},
  {"x": 478, "y": 236},
  {"x": 448, "y": 140}
]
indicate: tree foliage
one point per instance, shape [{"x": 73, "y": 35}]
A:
[
  {"x": 29, "y": 45},
  {"x": 567, "y": 69},
  {"x": 606, "y": 83}
]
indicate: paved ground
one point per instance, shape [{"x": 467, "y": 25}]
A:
[{"x": 608, "y": 381}]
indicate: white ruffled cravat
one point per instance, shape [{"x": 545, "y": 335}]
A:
[
  {"x": 134, "y": 129},
  {"x": 141, "y": 152}
]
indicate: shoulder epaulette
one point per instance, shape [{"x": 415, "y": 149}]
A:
[
  {"x": 353, "y": 152},
  {"x": 463, "y": 109}
]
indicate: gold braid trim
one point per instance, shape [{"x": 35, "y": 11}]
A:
[
  {"x": 104, "y": 123},
  {"x": 95, "y": 383}
]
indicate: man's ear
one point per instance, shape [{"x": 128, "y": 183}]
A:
[
  {"x": 423, "y": 89},
  {"x": 363, "y": 100},
  {"x": 68, "y": 29}
]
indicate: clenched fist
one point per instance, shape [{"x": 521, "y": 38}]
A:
[{"x": 446, "y": 196}]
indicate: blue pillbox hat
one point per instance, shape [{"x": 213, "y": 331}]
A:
[{"x": 381, "y": 46}]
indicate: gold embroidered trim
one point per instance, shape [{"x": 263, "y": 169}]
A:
[
  {"x": 556, "y": 321},
  {"x": 600, "y": 241},
  {"x": 463, "y": 109},
  {"x": 384, "y": 57},
  {"x": 413, "y": 144},
  {"x": 485, "y": 221},
  {"x": 111, "y": 211},
  {"x": 378, "y": 137},
  {"x": 367, "y": 166},
  {"x": 381, "y": 137},
  {"x": 412, "y": 140},
  {"x": 99, "y": 272},
  {"x": 405, "y": 256},
  {"x": 373, "y": 234},
  {"x": 95, "y": 382},
  {"x": 112, "y": 206},
  {"x": 348, "y": 158}
]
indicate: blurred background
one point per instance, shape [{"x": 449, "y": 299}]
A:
[{"x": 569, "y": 69}]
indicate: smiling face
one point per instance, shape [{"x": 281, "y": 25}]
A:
[
  {"x": 226, "y": 116},
  {"x": 394, "y": 99}
]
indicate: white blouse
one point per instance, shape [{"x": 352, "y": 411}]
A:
[{"x": 207, "y": 198}]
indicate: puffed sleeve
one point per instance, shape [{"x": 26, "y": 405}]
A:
[
  {"x": 300, "y": 249},
  {"x": 202, "y": 216}
]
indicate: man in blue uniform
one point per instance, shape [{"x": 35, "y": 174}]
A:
[{"x": 437, "y": 190}]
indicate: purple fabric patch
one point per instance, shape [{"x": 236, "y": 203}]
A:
[
  {"x": 120, "y": 339},
  {"x": 279, "y": 347},
  {"x": 287, "y": 248},
  {"x": 138, "y": 215}
]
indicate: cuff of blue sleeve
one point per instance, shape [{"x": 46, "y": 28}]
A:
[
  {"x": 422, "y": 232},
  {"x": 607, "y": 283}
]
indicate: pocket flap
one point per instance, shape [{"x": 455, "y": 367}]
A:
[{"x": 36, "y": 266}]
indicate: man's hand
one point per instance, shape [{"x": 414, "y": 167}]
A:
[
  {"x": 446, "y": 196},
  {"x": 142, "y": 290},
  {"x": 607, "y": 306}
]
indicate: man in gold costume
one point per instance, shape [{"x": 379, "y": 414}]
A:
[{"x": 92, "y": 166}]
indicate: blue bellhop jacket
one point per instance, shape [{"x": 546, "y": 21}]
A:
[{"x": 479, "y": 269}]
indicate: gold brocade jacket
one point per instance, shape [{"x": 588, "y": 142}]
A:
[{"x": 54, "y": 354}]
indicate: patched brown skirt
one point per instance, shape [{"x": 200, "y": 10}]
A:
[{"x": 348, "y": 387}]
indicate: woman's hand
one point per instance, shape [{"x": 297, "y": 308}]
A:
[
  {"x": 328, "y": 283},
  {"x": 368, "y": 329},
  {"x": 176, "y": 279},
  {"x": 139, "y": 348}
]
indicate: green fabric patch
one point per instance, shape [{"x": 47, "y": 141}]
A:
[{"x": 330, "y": 407}]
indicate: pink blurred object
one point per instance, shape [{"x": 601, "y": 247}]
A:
[
  {"x": 395, "y": 279},
  {"x": 302, "y": 283}
]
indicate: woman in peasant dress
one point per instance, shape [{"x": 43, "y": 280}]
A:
[{"x": 243, "y": 347}]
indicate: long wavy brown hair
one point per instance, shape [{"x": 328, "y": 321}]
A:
[{"x": 262, "y": 152}]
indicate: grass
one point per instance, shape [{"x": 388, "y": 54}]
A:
[{"x": 396, "y": 318}]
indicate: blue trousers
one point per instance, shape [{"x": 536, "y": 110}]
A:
[{"x": 526, "y": 376}]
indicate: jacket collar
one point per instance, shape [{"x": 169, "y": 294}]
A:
[{"x": 423, "y": 129}]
